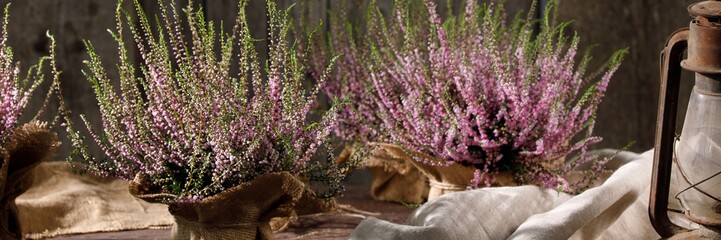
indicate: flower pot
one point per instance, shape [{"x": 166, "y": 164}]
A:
[
  {"x": 446, "y": 179},
  {"x": 27, "y": 147},
  {"x": 250, "y": 210},
  {"x": 395, "y": 178},
  {"x": 456, "y": 178}
]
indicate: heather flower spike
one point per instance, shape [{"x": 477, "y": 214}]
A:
[
  {"x": 188, "y": 123},
  {"x": 476, "y": 91},
  {"x": 347, "y": 45},
  {"x": 23, "y": 145},
  {"x": 16, "y": 90}
]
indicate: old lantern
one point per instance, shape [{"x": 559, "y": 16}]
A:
[{"x": 695, "y": 161}]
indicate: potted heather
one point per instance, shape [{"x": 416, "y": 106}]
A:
[
  {"x": 478, "y": 102},
  {"x": 347, "y": 45},
  {"x": 22, "y": 146},
  {"x": 231, "y": 154}
]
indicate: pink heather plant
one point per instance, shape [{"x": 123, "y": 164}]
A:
[
  {"x": 193, "y": 127},
  {"x": 346, "y": 44},
  {"x": 478, "y": 92},
  {"x": 15, "y": 92}
]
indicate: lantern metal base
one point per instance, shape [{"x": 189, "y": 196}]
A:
[
  {"x": 710, "y": 222},
  {"x": 710, "y": 218},
  {"x": 710, "y": 233},
  {"x": 702, "y": 233}
]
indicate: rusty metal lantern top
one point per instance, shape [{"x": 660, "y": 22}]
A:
[
  {"x": 704, "y": 38},
  {"x": 706, "y": 9}
]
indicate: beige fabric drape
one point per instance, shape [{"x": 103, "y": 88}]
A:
[
  {"x": 61, "y": 202},
  {"x": 617, "y": 209}
]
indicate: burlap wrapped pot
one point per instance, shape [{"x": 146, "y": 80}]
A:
[
  {"x": 446, "y": 179},
  {"x": 395, "y": 178},
  {"x": 26, "y": 147},
  {"x": 248, "y": 211}
]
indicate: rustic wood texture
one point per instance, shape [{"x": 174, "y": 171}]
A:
[
  {"x": 70, "y": 21},
  {"x": 628, "y": 112}
]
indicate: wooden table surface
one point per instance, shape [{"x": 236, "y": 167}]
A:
[{"x": 313, "y": 227}]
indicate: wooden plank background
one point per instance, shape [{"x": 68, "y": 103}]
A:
[{"x": 627, "y": 114}]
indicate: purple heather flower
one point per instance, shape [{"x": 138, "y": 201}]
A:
[
  {"x": 190, "y": 124},
  {"x": 15, "y": 92},
  {"x": 478, "y": 92}
]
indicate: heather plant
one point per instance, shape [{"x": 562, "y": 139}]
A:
[
  {"x": 16, "y": 90},
  {"x": 23, "y": 145},
  {"x": 346, "y": 43},
  {"x": 192, "y": 127},
  {"x": 477, "y": 91}
]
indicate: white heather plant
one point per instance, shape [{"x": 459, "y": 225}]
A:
[
  {"x": 482, "y": 93},
  {"x": 193, "y": 127}
]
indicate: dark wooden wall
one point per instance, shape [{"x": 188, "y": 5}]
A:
[
  {"x": 70, "y": 21},
  {"x": 627, "y": 113}
]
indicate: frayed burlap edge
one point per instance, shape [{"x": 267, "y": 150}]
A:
[
  {"x": 395, "y": 178},
  {"x": 242, "y": 212},
  {"x": 28, "y": 146},
  {"x": 444, "y": 178}
]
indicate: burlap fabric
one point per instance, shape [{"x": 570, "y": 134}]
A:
[
  {"x": 62, "y": 202},
  {"x": 394, "y": 176},
  {"x": 28, "y": 145},
  {"x": 446, "y": 179},
  {"x": 241, "y": 212}
]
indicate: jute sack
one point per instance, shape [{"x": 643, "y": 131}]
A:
[
  {"x": 446, "y": 179},
  {"x": 242, "y": 212},
  {"x": 28, "y": 145},
  {"x": 394, "y": 176}
]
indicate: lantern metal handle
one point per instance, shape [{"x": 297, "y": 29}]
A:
[{"x": 671, "y": 57}]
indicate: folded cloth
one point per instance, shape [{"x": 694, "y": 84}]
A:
[
  {"x": 617, "y": 209},
  {"x": 487, "y": 213},
  {"x": 61, "y": 202}
]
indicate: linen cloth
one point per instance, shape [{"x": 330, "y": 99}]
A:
[
  {"x": 61, "y": 202},
  {"x": 617, "y": 209}
]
